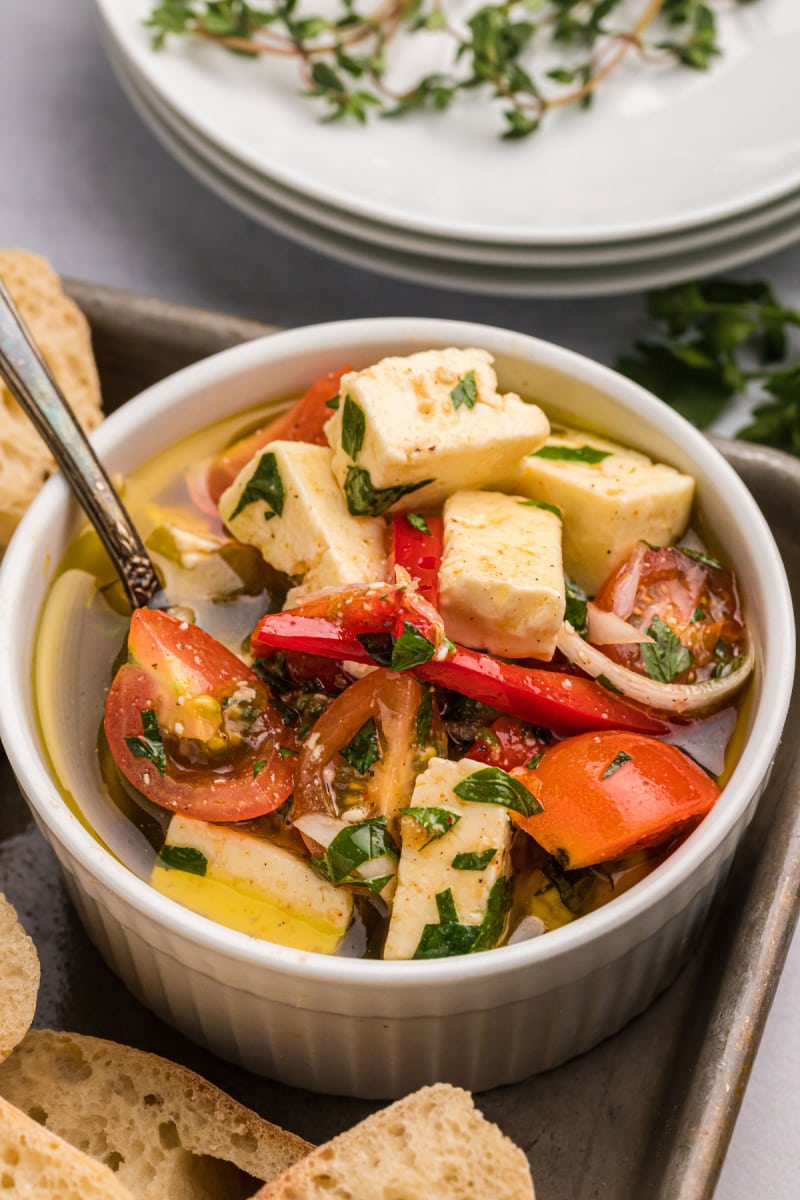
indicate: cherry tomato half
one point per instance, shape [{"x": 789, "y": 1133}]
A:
[
  {"x": 192, "y": 727},
  {"x": 507, "y": 743},
  {"x": 606, "y": 794}
]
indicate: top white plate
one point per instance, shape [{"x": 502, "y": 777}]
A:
[{"x": 663, "y": 149}]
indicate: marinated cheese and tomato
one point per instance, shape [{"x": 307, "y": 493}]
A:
[{"x": 459, "y": 718}]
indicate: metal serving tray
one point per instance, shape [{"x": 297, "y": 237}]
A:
[{"x": 647, "y": 1114}]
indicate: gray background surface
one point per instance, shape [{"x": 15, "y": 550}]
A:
[{"x": 84, "y": 183}]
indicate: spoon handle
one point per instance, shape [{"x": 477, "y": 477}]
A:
[{"x": 29, "y": 380}]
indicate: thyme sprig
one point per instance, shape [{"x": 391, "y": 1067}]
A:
[{"x": 344, "y": 59}]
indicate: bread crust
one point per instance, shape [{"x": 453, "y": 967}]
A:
[{"x": 19, "y": 979}]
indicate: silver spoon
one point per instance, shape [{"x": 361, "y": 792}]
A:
[{"x": 28, "y": 378}]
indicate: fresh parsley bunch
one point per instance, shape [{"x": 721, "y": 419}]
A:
[{"x": 708, "y": 342}]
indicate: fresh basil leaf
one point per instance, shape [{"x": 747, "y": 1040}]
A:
[
  {"x": 354, "y": 846},
  {"x": 474, "y": 862},
  {"x": 666, "y": 656},
  {"x": 286, "y": 752},
  {"x": 491, "y": 785},
  {"x": 363, "y": 751},
  {"x": 379, "y": 646},
  {"x": 354, "y": 426},
  {"x": 333, "y": 403},
  {"x": 411, "y": 649},
  {"x": 435, "y": 821},
  {"x": 150, "y": 746},
  {"x": 364, "y": 500},
  {"x": 446, "y": 941},
  {"x": 465, "y": 392},
  {"x": 258, "y": 766},
  {"x": 265, "y": 484},
  {"x": 704, "y": 559},
  {"x": 575, "y": 610},
  {"x": 552, "y": 508},
  {"x": 183, "y": 858},
  {"x": 425, "y": 716},
  {"x": 446, "y": 907},
  {"x": 605, "y": 682},
  {"x": 491, "y": 927},
  {"x": 417, "y": 522},
  {"x": 580, "y": 454},
  {"x": 617, "y": 761}
]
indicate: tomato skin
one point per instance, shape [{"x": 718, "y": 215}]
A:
[
  {"x": 418, "y": 552},
  {"x": 677, "y": 588},
  {"x": 215, "y": 721},
  {"x": 508, "y": 743},
  {"x": 303, "y": 422},
  {"x": 588, "y": 819}
]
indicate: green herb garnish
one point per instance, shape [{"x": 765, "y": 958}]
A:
[
  {"x": 258, "y": 766},
  {"x": 287, "y": 752},
  {"x": 150, "y": 746},
  {"x": 354, "y": 846},
  {"x": 265, "y": 484},
  {"x": 354, "y": 426},
  {"x": 666, "y": 656},
  {"x": 425, "y": 716},
  {"x": 533, "y": 762},
  {"x": 417, "y": 522},
  {"x": 411, "y": 649},
  {"x": 579, "y": 454},
  {"x": 465, "y": 392},
  {"x": 379, "y": 646},
  {"x": 605, "y": 682},
  {"x": 552, "y": 508},
  {"x": 449, "y": 938},
  {"x": 363, "y": 500},
  {"x": 363, "y": 751},
  {"x": 435, "y": 821},
  {"x": 474, "y": 862},
  {"x": 491, "y": 785},
  {"x": 183, "y": 858},
  {"x": 617, "y": 761},
  {"x": 704, "y": 559},
  {"x": 333, "y": 403},
  {"x": 575, "y": 610}
]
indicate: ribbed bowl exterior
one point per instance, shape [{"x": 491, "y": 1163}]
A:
[{"x": 376, "y": 1029}]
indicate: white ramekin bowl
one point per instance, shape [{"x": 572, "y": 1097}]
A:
[{"x": 379, "y": 1029}]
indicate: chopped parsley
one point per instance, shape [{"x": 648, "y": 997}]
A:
[
  {"x": 150, "y": 746},
  {"x": 580, "y": 454},
  {"x": 266, "y": 485},
  {"x": 465, "y": 392},
  {"x": 491, "y": 785}
]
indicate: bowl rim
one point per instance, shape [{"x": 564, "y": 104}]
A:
[{"x": 29, "y": 763}]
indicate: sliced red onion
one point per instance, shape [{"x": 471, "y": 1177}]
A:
[
  {"x": 628, "y": 586},
  {"x": 374, "y": 868},
  {"x": 678, "y": 698},
  {"x": 607, "y": 629}
]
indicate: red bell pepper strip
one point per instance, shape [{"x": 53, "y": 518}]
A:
[
  {"x": 333, "y": 625},
  {"x": 417, "y": 546}
]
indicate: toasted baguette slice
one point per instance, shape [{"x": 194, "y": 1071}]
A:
[
  {"x": 19, "y": 979},
  {"x": 432, "y": 1144},
  {"x": 167, "y": 1133},
  {"x": 62, "y": 333},
  {"x": 37, "y": 1165}
]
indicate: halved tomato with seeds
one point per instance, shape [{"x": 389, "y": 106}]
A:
[{"x": 193, "y": 728}]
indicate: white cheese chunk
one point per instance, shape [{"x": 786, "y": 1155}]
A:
[
  {"x": 608, "y": 506},
  {"x": 426, "y": 870},
  {"x": 301, "y": 525},
  {"x": 252, "y": 884},
  {"x": 501, "y": 581},
  {"x": 399, "y": 426}
]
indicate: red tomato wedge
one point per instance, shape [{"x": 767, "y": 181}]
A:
[
  {"x": 606, "y": 794},
  {"x": 344, "y": 625},
  {"x": 303, "y": 422},
  {"x": 416, "y": 545},
  {"x": 506, "y": 744},
  {"x": 192, "y": 727}
]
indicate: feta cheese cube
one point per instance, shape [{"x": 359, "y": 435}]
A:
[
  {"x": 610, "y": 498},
  {"x": 287, "y": 504},
  {"x": 411, "y": 431},
  {"x": 501, "y": 581},
  {"x": 426, "y": 868}
]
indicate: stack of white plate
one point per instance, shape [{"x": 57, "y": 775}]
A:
[{"x": 672, "y": 174}]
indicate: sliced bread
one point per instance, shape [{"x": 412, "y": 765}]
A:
[
  {"x": 37, "y": 1165},
  {"x": 19, "y": 979},
  {"x": 163, "y": 1130},
  {"x": 63, "y": 336},
  {"x": 433, "y": 1143}
]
